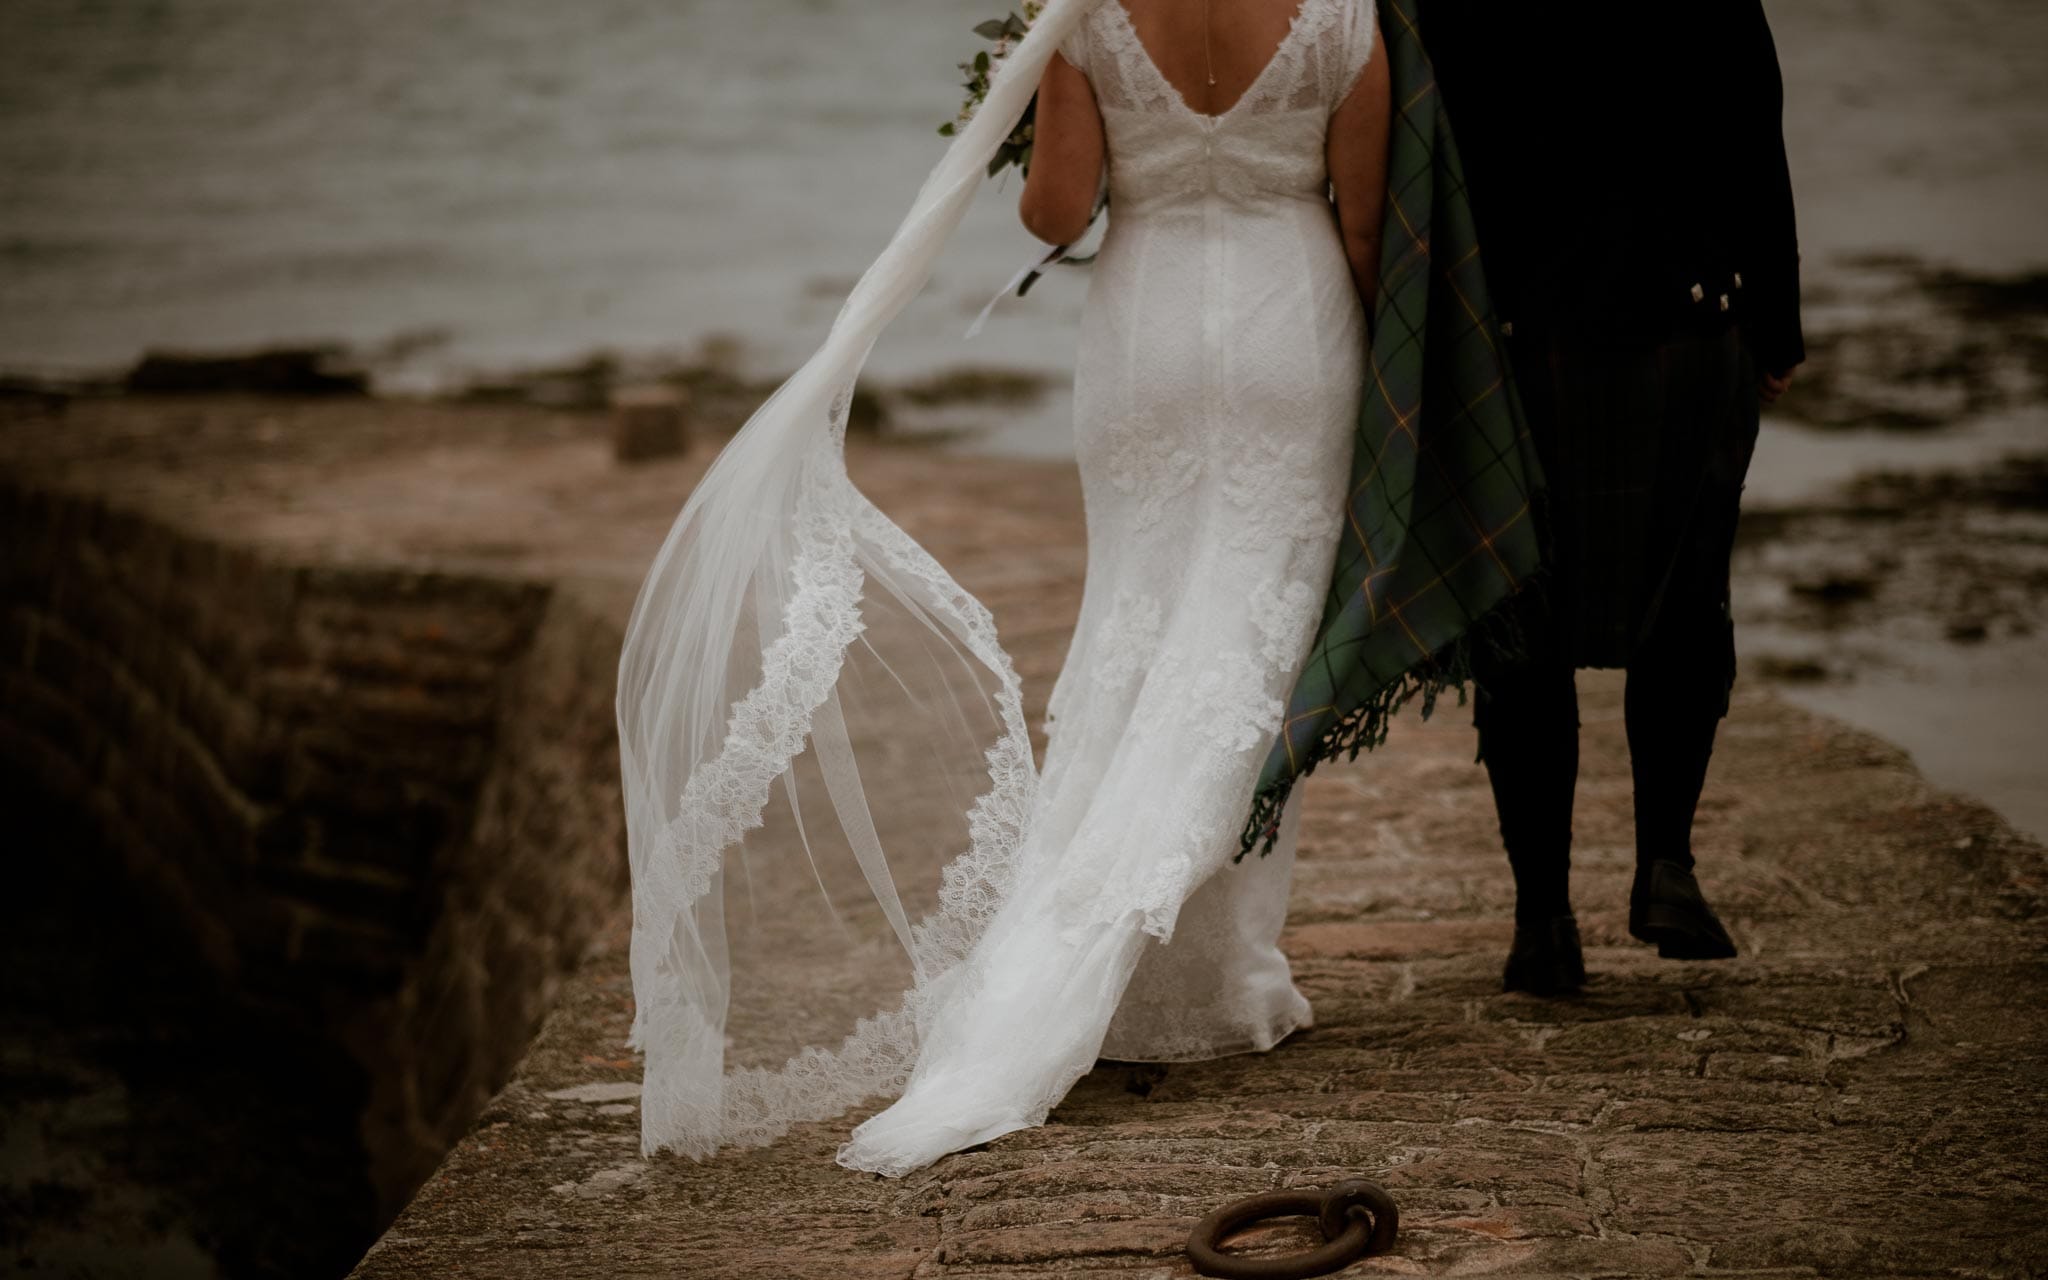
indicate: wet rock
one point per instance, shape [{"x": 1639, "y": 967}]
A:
[
  {"x": 578, "y": 384},
  {"x": 1908, "y": 345},
  {"x": 647, "y": 422},
  {"x": 274, "y": 371},
  {"x": 1893, "y": 569},
  {"x": 1837, "y": 590},
  {"x": 1789, "y": 670}
]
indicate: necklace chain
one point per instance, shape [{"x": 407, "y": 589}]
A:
[{"x": 1207, "y": 63}]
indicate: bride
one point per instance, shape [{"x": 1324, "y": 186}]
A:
[{"x": 851, "y": 881}]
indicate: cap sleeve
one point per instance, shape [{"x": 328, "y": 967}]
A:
[
  {"x": 1356, "y": 45},
  {"x": 1075, "y": 47}
]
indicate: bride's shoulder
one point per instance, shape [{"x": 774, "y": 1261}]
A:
[
  {"x": 1344, "y": 26},
  {"x": 1345, "y": 32}
]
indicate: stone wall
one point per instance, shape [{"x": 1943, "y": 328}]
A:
[
  {"x": 513, "y": 905},
  {"x": 379, "y": 805}
]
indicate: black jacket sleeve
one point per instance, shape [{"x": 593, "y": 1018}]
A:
[{"x": 1769, "y": 235}]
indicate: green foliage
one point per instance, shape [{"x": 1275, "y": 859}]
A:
[
  {"x": 1016, "y": 149},
  {"x": 1004, "y": 32}
]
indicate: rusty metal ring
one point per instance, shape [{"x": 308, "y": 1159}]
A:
[
  {"x": 1357, "y": 1218},
  {"x": 1343, "y": 1203}
]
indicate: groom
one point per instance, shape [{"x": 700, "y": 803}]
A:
[{"x": 1628, "y": 181}]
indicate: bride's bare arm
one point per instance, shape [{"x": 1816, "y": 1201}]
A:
[
  {"x": 1066, "y": 156},
  {"x": 1356, "y": 152}
]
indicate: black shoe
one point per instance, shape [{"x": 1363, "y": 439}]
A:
[
  {"x": 1667, "y": 908},
  {"x": 1545, "y": 959}
]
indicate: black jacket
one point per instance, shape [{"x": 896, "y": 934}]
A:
[{"x": 1626, "y": 163}]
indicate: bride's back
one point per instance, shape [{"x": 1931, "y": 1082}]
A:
[
  {"x": 1256, "y": 137},
  {"x": 1213, "y": 68}
]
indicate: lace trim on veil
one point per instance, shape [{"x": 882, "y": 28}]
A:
[
  {"x": 728, "y": 795},
  {"x": 786, "y": 524}
]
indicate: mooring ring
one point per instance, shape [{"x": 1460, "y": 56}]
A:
[{"x": 1357, "y": 1218}]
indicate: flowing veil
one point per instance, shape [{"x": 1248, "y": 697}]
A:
[{"x": 826, "y": 770}]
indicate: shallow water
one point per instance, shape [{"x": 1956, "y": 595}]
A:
[
  {"x": 523, "y": 181},
  {"x": 1970, "y": 717},
  {"x": 478, "y": 185}
]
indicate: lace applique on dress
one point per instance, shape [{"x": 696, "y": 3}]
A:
[
  {"x": 1286, "y": 615},
  {"x": 1291, "y": 499},
  {"x": 1149, "y": 465},
  {"x": 1127, "y": 641},
  {"x": 1222, "y": 703},
  {"x": 1221, "y": 364}
]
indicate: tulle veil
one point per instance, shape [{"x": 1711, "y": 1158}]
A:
[{"x": 827, "y": 773}]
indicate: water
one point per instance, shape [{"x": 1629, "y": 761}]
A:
[
  {"x": 484, "y": 184},
  {"x": 477, "y": 185}
]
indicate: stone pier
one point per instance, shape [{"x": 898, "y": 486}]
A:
[{"x": 329, "y": 684}]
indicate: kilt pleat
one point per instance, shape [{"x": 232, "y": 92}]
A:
[{"x": 1644, "y": 448}]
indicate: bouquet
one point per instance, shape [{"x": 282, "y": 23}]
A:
[
  {"x": 1004, "y": 31},
  {"x": 1016, "y": 149}
]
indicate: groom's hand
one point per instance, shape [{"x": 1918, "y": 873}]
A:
[{"x": 1773, "y": 385}]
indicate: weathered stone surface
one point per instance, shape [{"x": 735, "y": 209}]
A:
[
  {"x": 297, "y": 769},
  {"x": 1859, "y": 1094},
  {"x": 1677, "y": 1117}
]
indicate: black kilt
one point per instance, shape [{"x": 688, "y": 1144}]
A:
[{"x": 1644, "y": 449}]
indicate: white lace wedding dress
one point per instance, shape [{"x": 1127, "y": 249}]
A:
[
  {"x": 1216, "y": 395},
  {"x": 850, "y": 879}
]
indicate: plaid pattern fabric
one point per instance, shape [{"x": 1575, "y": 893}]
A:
[{"x": 1440, "y": 529}]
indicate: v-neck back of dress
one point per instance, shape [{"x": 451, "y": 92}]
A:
[
  {"x": 1268, "y": 143},
  {"x": 1294, "y": 28}
]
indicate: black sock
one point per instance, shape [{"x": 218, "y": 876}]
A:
[
  {"x": 1528, "y": 725},
  {"x": 1674, "y": 706}
]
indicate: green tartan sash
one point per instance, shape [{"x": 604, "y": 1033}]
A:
[{"x": 1439, "y": 529}]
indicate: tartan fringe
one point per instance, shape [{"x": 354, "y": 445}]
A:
[{"x": 1499, "y": 633}]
